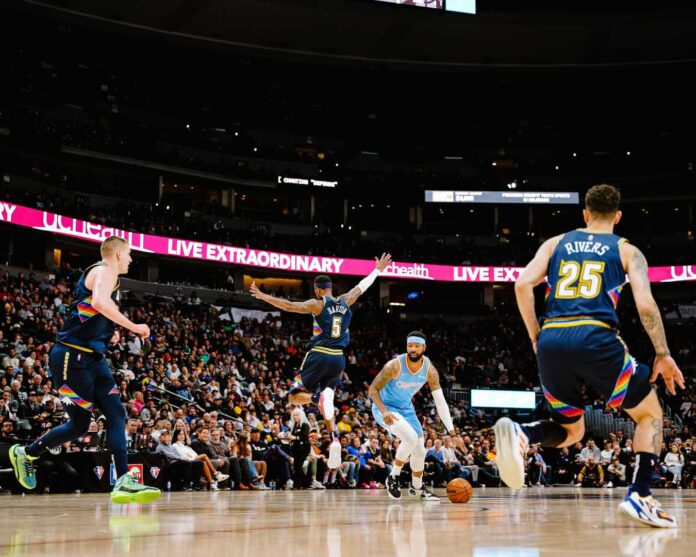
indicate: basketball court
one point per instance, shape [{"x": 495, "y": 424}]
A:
[{"x": 495, "y": 523}]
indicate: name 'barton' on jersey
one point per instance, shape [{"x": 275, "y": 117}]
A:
[
  {"x": 330, "y": 327},
  {"x": 585, "y": 277}
]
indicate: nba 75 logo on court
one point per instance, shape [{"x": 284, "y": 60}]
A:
[{"x": 135, "y": 469}]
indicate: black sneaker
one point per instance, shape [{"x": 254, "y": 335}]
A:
[
  {"x": 424, "y": 494},
  {"x": 393, "y": 487}
]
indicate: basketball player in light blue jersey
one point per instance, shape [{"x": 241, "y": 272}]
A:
[
  {"x": 325, "y": 361},
  {"x": 392, "y": 394}
]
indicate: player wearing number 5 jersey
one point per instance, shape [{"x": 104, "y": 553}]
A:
[
  {"x": 578, "y": 343},
  {"x": 324, "y": 362}
]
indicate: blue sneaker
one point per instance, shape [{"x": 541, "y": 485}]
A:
[
  {"x": 647, "y": 511},
  {"x": 128, "y": 490},
  {"x": 23, "y": 468}
]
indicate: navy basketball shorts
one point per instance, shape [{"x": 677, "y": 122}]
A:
[
  {"x": 82, "y": 378},
  {"x": 578, "y": 352},
  {"x": 321, "y": 367}
]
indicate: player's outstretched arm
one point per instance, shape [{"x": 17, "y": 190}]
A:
[
  {"x": 354, "y": 293},
  {"x": 105, "y": 279},
  {"x": 637, "y": 269},
  {"x": 532, "y": 275},
  {"x": 389, "y": 371},
  {"x": 310, "y": 306}
]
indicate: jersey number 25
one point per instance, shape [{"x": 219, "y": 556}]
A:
[{"x": 579, "y": 281}]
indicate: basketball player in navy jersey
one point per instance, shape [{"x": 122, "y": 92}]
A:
[
  {"x": 578, "y": 343},
  {"x": 392, "y": 393},
  {"x": 78, "y": 365},
  {"x": 323, "y": 364}
]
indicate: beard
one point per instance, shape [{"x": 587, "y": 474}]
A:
[{"x": 414, "y": 358}]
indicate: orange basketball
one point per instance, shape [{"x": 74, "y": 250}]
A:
[{"x": 459, "y": 491}]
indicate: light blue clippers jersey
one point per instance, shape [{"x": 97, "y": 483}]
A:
[{"x": 399, "y": 391}]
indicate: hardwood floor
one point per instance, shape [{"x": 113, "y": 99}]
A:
[{"x": 495, "y": 523}]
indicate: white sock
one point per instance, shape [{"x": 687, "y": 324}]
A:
[
  {"x": 417, "y": 482},
  {"x": 396, "y": 470}
]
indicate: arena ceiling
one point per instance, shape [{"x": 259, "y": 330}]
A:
[{"x": 546, "y": 34}]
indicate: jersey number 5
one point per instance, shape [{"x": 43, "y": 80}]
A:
[
  {"x": 336, "y": 326},
  {"x": 576, "y": 281}
]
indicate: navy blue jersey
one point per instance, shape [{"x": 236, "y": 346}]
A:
[
  {"x": 85, "y": 326},
  {"x": 330, "y": 327},
  {"x": 585, "y": 277}
]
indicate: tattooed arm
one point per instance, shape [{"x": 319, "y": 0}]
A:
[
  {"x": 637, "y": 268},
  {"x": 390, "y": 371},
  {"x": 310, "y": 306},
  {"x": 532, "y": 275}
]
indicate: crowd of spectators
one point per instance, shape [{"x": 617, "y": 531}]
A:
[{"x": 210, "y": 396}]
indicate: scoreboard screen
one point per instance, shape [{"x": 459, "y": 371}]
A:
[{"x": 514, "y": 197}]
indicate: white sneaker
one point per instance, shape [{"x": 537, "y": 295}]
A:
[
  {"x": 647, "y": 511},
  {"x": 334, "y": 454},
  {"x": 510, "y": 445},
  {"x": 220, "y": 477},
  {"x": 214, "y": 486},
  {"x": 290, "y": 484},
  {"x": 317, "y": 485},
  {"x": 609, "y": 485}
]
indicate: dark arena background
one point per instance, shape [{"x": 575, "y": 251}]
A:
[{"x": 235, "y": 143}]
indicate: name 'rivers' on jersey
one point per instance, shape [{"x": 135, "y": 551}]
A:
[{"x": 585, "y": 277}]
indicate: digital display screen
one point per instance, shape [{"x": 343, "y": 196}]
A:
[
  {"x": 307, "y": 182},
  {"x": 459, "y": 6},
  {"x": 485, "y": 398},
  {"x": 512, "y": 197}
]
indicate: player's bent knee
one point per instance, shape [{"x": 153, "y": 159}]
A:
[
  {"x": 80, "y": 422},
  {"x": 417, "y": 460},
  {"x": 575, "y": 431},
  {"x": 647, "y": 409},
  {"x": 327, "y": 407},
  {"x": 403, "y": 430}
]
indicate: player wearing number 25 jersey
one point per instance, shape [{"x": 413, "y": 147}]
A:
[
  {"x": 578, "y": 344},
  {"x": 579, "y": 340}
]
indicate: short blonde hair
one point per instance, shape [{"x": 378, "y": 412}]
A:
[{"x": 112, "y": 244}]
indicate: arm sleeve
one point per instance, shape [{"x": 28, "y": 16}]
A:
[
  {"x": 365, "y": 283},
  {"x": 443, "y": 409}
]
